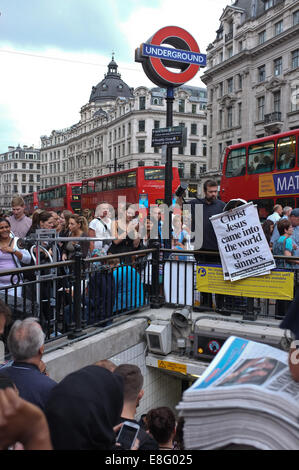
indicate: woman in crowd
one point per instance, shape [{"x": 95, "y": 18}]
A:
[
  {"x": 124, "y": 230},
  {"x": 284, "y": 246},
  {"x": 268, "y": 227},
  {"x": 35, "y": 221},
  {"x": 11, "y": 256},
  {"x": 65, "y": 217},
  {"x": 161, "y": 425},
  {"x": 77, "y": 228}
]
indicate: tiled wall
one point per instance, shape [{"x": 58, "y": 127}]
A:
[{"x": 160, "y": 388}]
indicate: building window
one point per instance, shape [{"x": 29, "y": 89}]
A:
[
  {"x": 240, "y": 81},
  {"x": 269, "y": 4},
  {"x": 142, "y": 102},
  {"x": 220, "y": 89},
  {"x": 261, "y": 73},
  {"x": 295, "y": 59},
  {"x": 156, "y": 124},
  {"x": 278, "y": 66},
  {"x": 205, "y": 129},
  {"x": 240, "y": 114},
  {"x": 296, "y": 17},
  {"x": 140, "y": 163},
  {"x": 141, "y": 146},
  {"x": 23, "y": 189},
  {"x": 229, "y": 52},
  {"x": 278, "y": 28},
  {"x": 23, "y": 178},
  {"x": 193, "y": 170},
  {"x": 261, "y": 108},
  {"x": 193, "y": 148},
  {"x": 277, "y": 101},
  {"x": 129, "y": 128},
  {"x": 141, "y": 126},
  {"x": 194, "y": 109},
  {"x": 262, "y": 37},
  {"x": 15, "y": 189},
  {"x": 220, "y": 119},
  {"x": 230, "y": 117},
  {"x": 204, "y": 150},
  {"x": 181, "y": 106},
  {"x": 230, "y": 85},
  {"x": 181, "y": 168},
  {"x": 295, "y": 98},
  {"x": 156, "y": 163},
  {"x": 193, "y": 129}
]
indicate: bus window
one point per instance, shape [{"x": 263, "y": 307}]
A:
[
  {"x": 111, "y": 183},
  {"x": 236, "y": 163},
  {"x": 76, "y": 189},
  {"x": 98, "y": 187},
  {"x": 121, "y": 181},
  {"x": 90, "y": 186},
  {"x": 261, "y": 157},
  {"x": 264, "y": 208},
  {"x": 131, "y": 179},
  {"x": 286, "y": 152},
  {"x": 286, "y": 201},
  {"x": 84, "y": 187},
  {"x": 154, "y": 174},
  {"x": 104, "y": 184}
]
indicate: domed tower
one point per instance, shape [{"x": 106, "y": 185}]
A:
[{"x": 111, "y": 87}]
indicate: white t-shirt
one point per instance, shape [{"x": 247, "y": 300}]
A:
[
  {"x": 275, "y": 217},
  {"x": 102, "y": 230}
]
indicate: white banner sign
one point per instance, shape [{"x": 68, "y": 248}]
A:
[{"x": 243, "y": 247}]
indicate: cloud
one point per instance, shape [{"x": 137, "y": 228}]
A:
[{"x": 74, "y": 25}]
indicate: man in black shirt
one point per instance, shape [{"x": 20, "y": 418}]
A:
[
  {"x": 133, "y": 392},
  {"x": 211, "y": 206}
]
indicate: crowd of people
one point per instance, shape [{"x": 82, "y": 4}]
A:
[{"x": 38, "y": 413}]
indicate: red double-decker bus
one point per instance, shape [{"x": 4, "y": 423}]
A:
[
  {"x": 143, "y": 185},
  {"x": 31, "y": 202},
  {"x": 265, "y": 171},
  {"x": 63, "y": 196}
]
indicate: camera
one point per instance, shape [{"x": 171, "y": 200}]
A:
[
  {"x": 26, "y": 243},
  {"x": 181, "y": 189}
]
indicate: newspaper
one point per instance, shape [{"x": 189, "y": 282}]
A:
[{"x": 245, "y": 396}]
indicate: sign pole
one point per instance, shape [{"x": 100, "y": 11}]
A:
[{"x": 168, "y": 166}]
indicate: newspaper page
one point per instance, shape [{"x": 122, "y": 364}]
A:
[
  {"x": 243, "y": 247},
  {"x": 255, "y": 367}
]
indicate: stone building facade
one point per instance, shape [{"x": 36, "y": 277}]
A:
[
  {"x": 115, "y": 132},
  {"x": 252, "y": 74},
  {"x": 19, "y": 173}
]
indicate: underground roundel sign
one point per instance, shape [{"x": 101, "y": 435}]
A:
[{"x": 183, "y": 54}]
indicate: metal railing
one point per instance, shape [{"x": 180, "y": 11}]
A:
[{"x": 94, "y": 292}]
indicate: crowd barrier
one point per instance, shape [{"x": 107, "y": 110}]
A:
[{"x": 71, "y": 296}]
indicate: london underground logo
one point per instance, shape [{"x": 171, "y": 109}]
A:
[{"x": 184, "y": 55}]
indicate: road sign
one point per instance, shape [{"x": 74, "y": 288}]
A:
[
  {"x": 170, "y": 136},
  {"x": 184, "y": 54}
]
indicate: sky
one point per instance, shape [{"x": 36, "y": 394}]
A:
[{"x": 52, "y": 52}]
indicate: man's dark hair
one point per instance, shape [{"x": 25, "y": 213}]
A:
[
  {"x": 161, "y": 423},
  {"x": 209, "y": 184},
  {"x": 5, "y": 310},
  {"x": 133, "y": 380}
]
